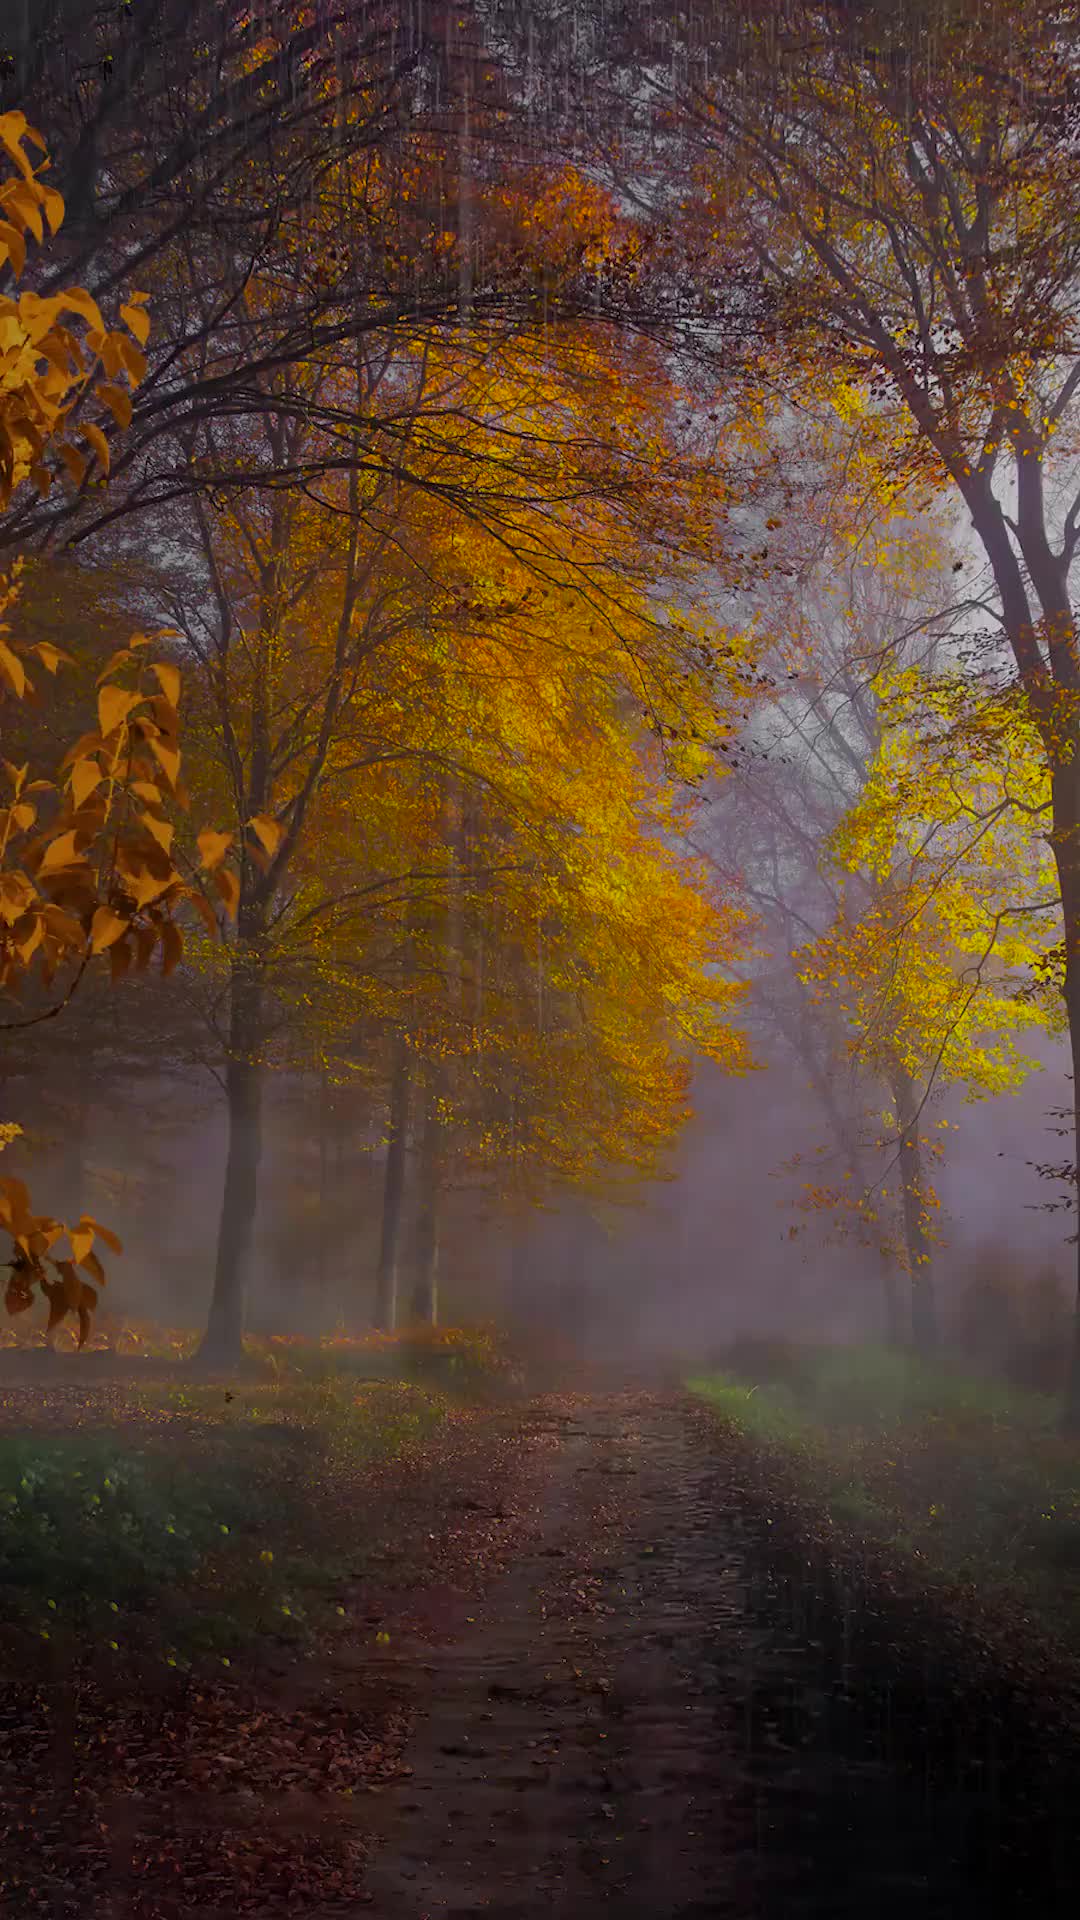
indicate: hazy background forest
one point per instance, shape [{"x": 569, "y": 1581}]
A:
[{"x": 578, "y": 673}]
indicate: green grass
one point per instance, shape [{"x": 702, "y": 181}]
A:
[
  {"x": 968, "y": 1476},
  {"x": 195, "y": 1526}
]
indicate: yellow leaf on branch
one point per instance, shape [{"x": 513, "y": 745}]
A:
[{"x": 105, "y": 928}]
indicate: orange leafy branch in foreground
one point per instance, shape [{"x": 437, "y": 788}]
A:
[
  {"x": 87, "y": 866},
  {"x": 87, "y": 870},
  {"x": 47, "y": 368}
]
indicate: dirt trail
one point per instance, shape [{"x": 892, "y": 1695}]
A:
[
  {"x": 637, "y": 1718},
  {"x": 566, "y": 1755},
  {"x": 629, "y": 1686}
]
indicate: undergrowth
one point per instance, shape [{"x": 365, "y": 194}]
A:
[
  {"x": 970, "y": 1478},
  {"x": 194, "y": 1525}
]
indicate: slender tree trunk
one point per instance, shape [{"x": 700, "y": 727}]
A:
[
  {"x": 324, "y": 1190},
  {"x": 577, "y": 1235},
  {"x": 223, "y": 1342},
  {"x": 894, "y": 1312},
  {"x": 1048, "y": 664},
  {"x": 1070, "y": 892},
  {"x": 386, "y": 1278},
  {"x": 845, "y": 1137},
  {"x": 425, "y": 1297},
  {"x": 74, "y": 1142},
  {"x": 924, "y": 1331},
  {"x": 519, "y": 1288}
]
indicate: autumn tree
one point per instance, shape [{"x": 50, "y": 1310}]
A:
[
  {"x": 945, "y": 953},
  {"x": 576, "y": 985},
  {"x": 882, "y": 994},
  {"x": 905, "y": 178},
  {"x": 372, "y": 667}
]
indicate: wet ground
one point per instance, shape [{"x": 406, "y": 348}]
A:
[{"x": 660, "y": 1712}]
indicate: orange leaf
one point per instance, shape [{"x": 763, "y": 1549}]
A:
[
  {"x": 161, "y": 830},
  {"x": 76, "y": 464},
  {"x": 213, "y": 846},
  {"x": 228, "y": 886},
  {"x": 133, "y": 357},
  {"x": 90, "y": 431},
  {"x": 268, "y": 830},
  {"x": 172, "y": 947},
  {"x": 111, "y": 1240},
  {"x": 106, "y": 928},
  {"x": 51, "y": 656},
  {"x": 12, "y": 247},
  {"x": 77, "y": 300},
  {"x": 168, "y": 760},
  {"x": 168, "y": 679},
  {"x": 82, "y": 1239},
  {"x": 118, "y": 401},
  {"x": 61, "y": 852},
  {"x": 114, "y": 705},
  {"x": 137, "y": 319},
  {"x": 206, "y": 914},
  {"x": 91, "y": 1264},
  {"x": 12, "y": 670},
  {"x": 86, "y": 777}
]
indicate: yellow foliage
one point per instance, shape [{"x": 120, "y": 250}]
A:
[{"x": 950, "y": 935}]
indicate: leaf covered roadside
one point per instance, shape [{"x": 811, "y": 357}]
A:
[{"x": 241, "y": 1776}]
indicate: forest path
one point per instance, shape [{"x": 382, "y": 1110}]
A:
[
  {"x": 566, "y": 1754},
  {"x": 638, "y": 1717}
]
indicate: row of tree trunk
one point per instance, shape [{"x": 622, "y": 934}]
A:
[{"x": 413, "y": 1138}]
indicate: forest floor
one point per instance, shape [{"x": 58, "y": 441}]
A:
[{"x": 585, "y": 1650}]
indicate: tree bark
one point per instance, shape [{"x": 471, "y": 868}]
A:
[
  {"x": 847, "y": 1141},
  {"x": 924, "y": 1330},
  {"x": 74, "y": 1145},
  {"x": 894, "y": 1313},
  {"x": 324, "y": 1190},
  {"x": 386, "y": 1278},
  {"x": 425, "y": 1296},
  {"x": 1050, "y": 675},
  {"x": 1071, "y": 896},
  {"x": 223, "y": 1342}
]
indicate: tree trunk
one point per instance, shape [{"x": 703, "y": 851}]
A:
[
  {"x": 1048, "y": 664},
  {"x": 924, "y": 1331},
  {"x": 74, "y": 1146},
  {"x": 1066, "y": 806},
  {"x": 386, "y": 1278},
  {"x": 1070, "y": 892},
  {"x": 578, "y": 1235},
  {"x": 324, "y": 1191},
  {"x": 223, "y": 1341},
  {"x": 425, "y": 1297},
  {"x": 846, "y": 1139},
  {"x": 894, "y": 1313}
]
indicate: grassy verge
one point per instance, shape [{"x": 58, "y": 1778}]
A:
[
  {"x": 967, "y": 1479},
  {"x": 227, "y": 1573},
  {"x": 200, "y": 1517}
]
